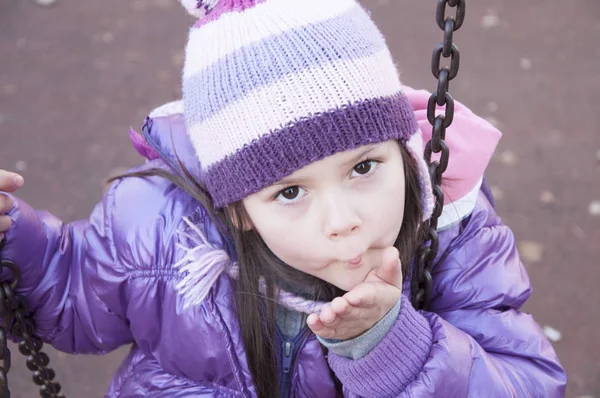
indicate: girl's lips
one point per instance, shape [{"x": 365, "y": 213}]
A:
[{"x": 355, "y": 261}]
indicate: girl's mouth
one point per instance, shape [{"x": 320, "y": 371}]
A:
[{"x": 355, "y": 262}]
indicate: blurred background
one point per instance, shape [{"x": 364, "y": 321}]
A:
[{"x": 74, "y": 75}]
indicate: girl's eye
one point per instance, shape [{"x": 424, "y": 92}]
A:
[
  {"x": 290, "y": 194},
  {"x": 364, "y": 168}
]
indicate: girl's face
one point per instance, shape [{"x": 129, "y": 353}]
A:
[{"x": 329, "y": 218}]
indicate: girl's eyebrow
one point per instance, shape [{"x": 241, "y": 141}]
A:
[
  {"x": 290, "y": 181},
  {"x": 367, "y": 150}
]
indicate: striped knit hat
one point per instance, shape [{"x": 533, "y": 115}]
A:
[{"x": 270, "y": 86}]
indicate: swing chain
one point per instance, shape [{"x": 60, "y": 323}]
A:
[
  {"x": 20, "y": 325},
  {"x": 422, "y": 288}
]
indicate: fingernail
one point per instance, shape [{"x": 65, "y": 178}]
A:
[{"x": 18, "y": 180}]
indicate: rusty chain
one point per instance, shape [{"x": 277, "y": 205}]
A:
[
  {"x": 17, "y": 323},
  {"x": 422, "y": 287}
]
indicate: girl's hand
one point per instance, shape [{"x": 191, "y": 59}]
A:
[
  {"x": 9, "y": 182},
  {"x": 358, "y": 310}
]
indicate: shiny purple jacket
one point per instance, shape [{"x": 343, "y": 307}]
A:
[{"x": 100, "y": 283}]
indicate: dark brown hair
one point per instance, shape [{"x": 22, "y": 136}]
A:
[{"x": 256, "y": 260}]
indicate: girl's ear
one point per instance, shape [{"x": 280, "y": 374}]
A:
[{"x": 239, "y": 218}]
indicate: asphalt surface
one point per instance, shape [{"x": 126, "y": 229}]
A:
[{"x": 75, "y": 75}]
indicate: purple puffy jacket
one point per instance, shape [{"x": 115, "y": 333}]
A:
[{"x": 100, "y": 283}]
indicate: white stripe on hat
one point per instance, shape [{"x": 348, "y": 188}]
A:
[
  {"x": 212, "y": 43},
  {"x": 315, "y": 90}
]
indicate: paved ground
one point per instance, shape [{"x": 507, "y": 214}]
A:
[{"x": 76, "y": 75}]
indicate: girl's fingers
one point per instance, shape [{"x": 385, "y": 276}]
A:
[
  {"x": 319, "y": 328},
  {"x": 10, "y": 182},
  {"x": 363, "y": 295},
  {"x": 353, "y": 313},
  {"x": 6, "y": 204},
  {"x": 328, "y": 316},
  {"x": 5, "y": 223},
  {"x": 314, "y": 323},
  {"x": 346, "y": 311},
  {"x": 340, "y": 306}
]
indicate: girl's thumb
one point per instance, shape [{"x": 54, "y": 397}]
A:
[{"x": 390, "y": 270}]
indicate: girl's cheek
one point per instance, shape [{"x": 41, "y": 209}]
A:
[{"x": 287, "y": 213}]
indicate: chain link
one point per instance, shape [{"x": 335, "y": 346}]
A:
[
  {"x": 422, "y": 285},
  {"x": 13, "y": 311}
]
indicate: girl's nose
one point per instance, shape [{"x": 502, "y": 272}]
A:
[{"x": 341, "y": 220}]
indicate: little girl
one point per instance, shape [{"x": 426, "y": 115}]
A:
[{"x": 266, "y": 248}]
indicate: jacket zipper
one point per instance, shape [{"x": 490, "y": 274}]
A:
[
  {"x": 286, "y": 366},
  {"x": 289, "y": 350}
]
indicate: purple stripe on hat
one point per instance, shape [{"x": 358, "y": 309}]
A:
[
  {"x": 274, "y": 156},
  {"x": 225, "y": 6},
  {"x": 276, "y": 57}
]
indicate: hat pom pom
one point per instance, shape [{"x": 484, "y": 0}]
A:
[{"x": 199, "y": 8}]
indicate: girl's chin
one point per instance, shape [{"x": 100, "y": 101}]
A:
[{"x": 348, "y": 285}]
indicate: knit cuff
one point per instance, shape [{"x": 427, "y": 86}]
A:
[{"x": 394, "y": 363}]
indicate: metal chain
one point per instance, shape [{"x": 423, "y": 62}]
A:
[
  {"x": 17, "y": 323},
  {"x": 422, "y": 286}
]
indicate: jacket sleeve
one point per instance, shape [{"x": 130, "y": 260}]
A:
[
  {"x": 62, "y": 266},
  {"x": 475, "y": 342},
  {"x": 76, "y": 276}
]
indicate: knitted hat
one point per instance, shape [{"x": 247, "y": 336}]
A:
[{"x": 270, "y": 86}]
